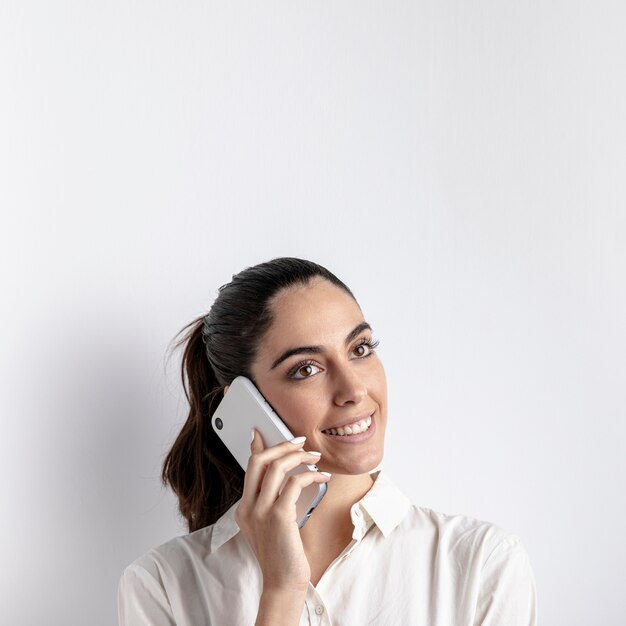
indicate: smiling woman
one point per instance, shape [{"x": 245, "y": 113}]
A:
[
  {"x": 367, "y": 555},
  {"x": 341, "y": 387}
]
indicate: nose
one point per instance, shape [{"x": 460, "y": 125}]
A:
[{"x": 349, "y": 385}]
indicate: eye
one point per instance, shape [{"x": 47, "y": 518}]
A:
[
  {"x": 302, "y": 366},
  {"x": 360, "y": 348},
  {"x": 371, "y": 346}
]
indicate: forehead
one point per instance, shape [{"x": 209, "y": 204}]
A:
[{"x": 317, "y": 313}]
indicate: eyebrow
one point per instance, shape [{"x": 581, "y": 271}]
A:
[{"x": 319, "y": 349}]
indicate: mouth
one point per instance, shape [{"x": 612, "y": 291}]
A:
[{"x": 358, "y": 430}]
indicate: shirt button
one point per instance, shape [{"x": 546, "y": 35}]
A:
[{"x": 319, "y": 610}]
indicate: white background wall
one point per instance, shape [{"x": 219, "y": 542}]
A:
[{"x": 461, "y": 166}]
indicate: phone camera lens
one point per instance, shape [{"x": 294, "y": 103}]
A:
[{"x": 219, "y": 424}]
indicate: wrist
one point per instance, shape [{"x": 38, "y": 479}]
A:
[
  {"x": 278, "y": 591},
  {"x": 281, "y": 606}
]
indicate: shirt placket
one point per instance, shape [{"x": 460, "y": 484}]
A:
[{"x": 315, "y": 612}]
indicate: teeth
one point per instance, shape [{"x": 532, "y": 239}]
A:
[{"x": 353, "y": 429}]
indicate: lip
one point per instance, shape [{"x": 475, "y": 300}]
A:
[
  {"x": 355, "y": 438},
  {"x": 351, "y": 420}
]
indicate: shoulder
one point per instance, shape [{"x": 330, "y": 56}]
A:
[
  {"x": 147, "y": 588},
  {"x": 459, "y": 526},
  {"x": 431, "y": 531},
  {"x": 174, "y": 554},
  {"x": 494, "y": 564},
  {"x": 475, "y": 558},
  {"x": 188, "y": 557},
  {"x": 463, "y": 536},
  {"x": 152, "y": 582},
  {"x": 492, "y": 560}
]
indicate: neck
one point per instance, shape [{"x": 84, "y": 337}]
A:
[{"x": 333, "y": 512}]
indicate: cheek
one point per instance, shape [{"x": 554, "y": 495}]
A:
[
  {"x": 378, "y": 381},
  {"x": 298, "y": 412}
]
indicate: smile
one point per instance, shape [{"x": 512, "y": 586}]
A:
[{"x": 355, "y": 428}]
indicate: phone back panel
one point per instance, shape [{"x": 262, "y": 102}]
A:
[{"x": 242, "y": 409}]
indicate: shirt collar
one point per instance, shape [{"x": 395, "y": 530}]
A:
[
  {"x": 384, "y": 505},
  {"x": 225, "y": 528}
]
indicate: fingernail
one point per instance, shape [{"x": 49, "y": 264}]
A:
[
  {"x": 326, "y": 473},
  {"x": 251, "y": 435},
  {"x": 298, "y": 440},
  {"x": 315, "y": 453}
]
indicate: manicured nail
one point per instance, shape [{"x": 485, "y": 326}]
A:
[
  {"x": 326, "y": 473},
  {"x": 298, "y": 440},
  {"x": 251, "y": 435},
  {"x": 315, "y": 453}
]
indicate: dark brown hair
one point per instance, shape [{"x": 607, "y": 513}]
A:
[{"x": 219, "y": 347}]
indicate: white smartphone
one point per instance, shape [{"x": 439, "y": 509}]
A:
[{"x": 243, "y": 408}]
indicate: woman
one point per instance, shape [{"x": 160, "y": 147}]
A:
[{"x": 366, "y": 555}]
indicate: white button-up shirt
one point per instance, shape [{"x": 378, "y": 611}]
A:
[{"x": 406, "y": 565}]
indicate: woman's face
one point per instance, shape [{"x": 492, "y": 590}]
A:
[{"x": 330, "y": 379}]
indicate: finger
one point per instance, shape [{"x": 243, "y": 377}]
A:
[
  {"x": 275, "y": 476},
  {"x": 258, "y": 461},
  {"x": 257, "y": 444},
  {"x": 254, "y": 473}
]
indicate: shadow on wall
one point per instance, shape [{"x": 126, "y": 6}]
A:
[{"x": 109, "y": 419}]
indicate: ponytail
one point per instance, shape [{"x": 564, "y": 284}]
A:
[{"x": 199, "y": 468}]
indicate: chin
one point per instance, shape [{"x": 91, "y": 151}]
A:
[{"x": 364, "y": 466}]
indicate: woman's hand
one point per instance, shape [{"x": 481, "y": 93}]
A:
[{"x": 269, "y": 520}]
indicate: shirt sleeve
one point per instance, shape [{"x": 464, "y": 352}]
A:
[
  {"x": 141, "y": 600},
  {"x": 507, "y": 594}
]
